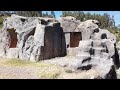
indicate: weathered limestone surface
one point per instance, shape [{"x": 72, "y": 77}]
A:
[
  {"x": 69, "y": 24},
  {"x": 97, "y": 50},
  {"x": 87, "y": 28},
  {"x": 31, "y": 38},
  {"x": 43, "y": 38},
  {"x": 4, "y": 42}
]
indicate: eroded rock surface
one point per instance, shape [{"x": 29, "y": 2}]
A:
[
  {"x": 37, "y": 38},
  {"x": 25, "y": 38}
]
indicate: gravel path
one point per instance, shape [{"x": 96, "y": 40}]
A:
[
  {"x": 8, "y": 71},
  {"x": 18, "y": 72}
]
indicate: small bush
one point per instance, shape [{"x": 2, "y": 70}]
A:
[
  {"x": 1, "y": 22},
  {"x": 50, "y": 74},
  {"x": 116, "y": 32}
]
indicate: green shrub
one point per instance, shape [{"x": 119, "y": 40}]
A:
[
  {"x": 1, "y": 22},
  {"x": 116, "y": 32}
]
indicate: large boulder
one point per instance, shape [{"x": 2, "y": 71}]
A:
[
  {"x": 23, "y": 37},
  {"x": 68, "y": 23},
  {"x": 99, "y": 53},
  {"x": 13, "y": 53},
  {"x": 96, "y": 50},
  {"x": 4, "y": 42},
  {"x": 87, "y": 28},
  {"x": 118, "y": 49}
]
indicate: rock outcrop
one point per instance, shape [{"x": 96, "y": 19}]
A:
[
  {"x": 37, "y": 38},
  {"x": 69, "y": 24},
  {"x": 97, "y": 49},
  {"x": 31, "y": 38},
  {"x": 98, "y": 53}
]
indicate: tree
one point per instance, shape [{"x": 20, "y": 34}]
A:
[
  {"x": 46, "y": 15},
  {"x": 105, "y": 20},
  {"x": 40, "y": 13},
  {"x": 29, "y": 13},
  {"x": 118, "y": 26},
  {"x": 53, "y": 14},
  {"x": 80, "y": 15},
  {"x": 64, "y": 13}
]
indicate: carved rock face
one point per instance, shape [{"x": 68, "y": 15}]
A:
[
  {"x": 37, "y": 38},
  {"x": 27, "y": 37},
  {"x": 96, "y": 49}
]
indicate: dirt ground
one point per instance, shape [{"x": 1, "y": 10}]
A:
[{"x": 17, "y": 69}]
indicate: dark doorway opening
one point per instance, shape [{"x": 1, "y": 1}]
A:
[
  {"x": 54, "y": 43},
  {"x": 75, "y": 37},
  {"x": 13, "y": 38}
]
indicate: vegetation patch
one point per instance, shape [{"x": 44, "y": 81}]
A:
[
  {"x": 1, "y": 22},
  {"x": 116, "y": 32},
  {"x": 68, "y": 71},
  {"x": 49, "y": 72},
  {"x": 17, "y": 62},
  {"x": 50, "y": 75}
]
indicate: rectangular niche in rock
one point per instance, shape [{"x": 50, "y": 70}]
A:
[
  {"x": 13, "y": 38},
  {"x": 75, "y": 37}
]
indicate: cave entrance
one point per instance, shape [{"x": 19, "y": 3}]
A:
[
  {"x": 13, "y": 38},
  {"x": 75, "y": 37}
]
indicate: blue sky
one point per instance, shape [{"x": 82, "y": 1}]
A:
[{"x": 116, "y": 14}]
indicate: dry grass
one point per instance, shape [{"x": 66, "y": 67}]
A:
[
  {"x": 17, "y": 69},
  {"x": 1, "y": 22},
  {"x": 17, "y": 62},
  {"x": 41, "y": 70},
  {"x": 49, "y": 74}
]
